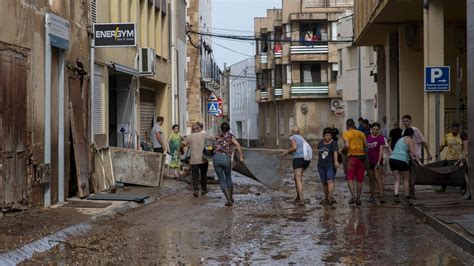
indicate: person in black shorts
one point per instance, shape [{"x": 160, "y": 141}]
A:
[{"x": 299, "y": 163}]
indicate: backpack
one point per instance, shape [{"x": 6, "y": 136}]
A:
[{"x": 307, "y": 151}]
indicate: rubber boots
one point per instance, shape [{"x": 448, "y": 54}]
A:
[
  {"x": 231, "y": 192},
  {"x": 228, "y": 197}
]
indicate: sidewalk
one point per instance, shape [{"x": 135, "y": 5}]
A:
[
  {"x": 447, "y": 213},
  {"x": 24, "y": 233}
]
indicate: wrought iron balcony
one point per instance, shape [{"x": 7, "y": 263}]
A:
[{"x": 309, "y": 89}]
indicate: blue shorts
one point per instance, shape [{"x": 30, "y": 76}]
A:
[{"x": 326, "y": 174}]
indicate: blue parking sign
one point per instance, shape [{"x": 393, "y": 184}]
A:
[
  {"x": 437, "y": 79},
  {"x": 213, "y": 108}
]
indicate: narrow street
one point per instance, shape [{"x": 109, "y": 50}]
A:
[{"x": 263, "y": 227}]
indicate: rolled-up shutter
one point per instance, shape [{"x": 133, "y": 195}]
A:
[
  {"x": 147, "y": 113},
  {"x": 98, "y": 109}
]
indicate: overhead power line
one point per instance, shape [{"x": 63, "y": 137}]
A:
[{"x": 253, "y": 39}]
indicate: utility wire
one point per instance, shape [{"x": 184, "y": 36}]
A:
[
  {"x": 216, "y": 43},
  {"x": 252, "y": 38}
]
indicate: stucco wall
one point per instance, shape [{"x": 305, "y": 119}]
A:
[{"x": 28, "y": 37}]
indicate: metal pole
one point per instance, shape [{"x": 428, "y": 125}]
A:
[
  {"x": 470, "y": 85},
  {"x": 359, "y": 83},
  {"x": 173, "y": 63},
  {"x": 47, "y": 111},
  {"x": 92, "y": 80},
  {"x": 61, "y": 127},
  {"x": 247, "y": 108},
  {"x": 458, "y": 87}
]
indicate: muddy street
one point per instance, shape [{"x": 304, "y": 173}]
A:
[{"x": 263, "y": 227}]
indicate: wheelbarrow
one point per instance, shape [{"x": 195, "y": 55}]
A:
[{"x": 439, "y": 173}]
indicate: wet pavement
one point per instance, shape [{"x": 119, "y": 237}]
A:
[{"x": 263, "y": 227}]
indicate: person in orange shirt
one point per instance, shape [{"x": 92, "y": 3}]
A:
[{"x": 355, "y": 143}]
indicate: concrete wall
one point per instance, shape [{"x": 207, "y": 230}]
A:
[
  {"x": 319, "y": 116},
  {"x": 243, "y": 107},
  {"x": 153, "y": 30},
  {"x": 138, "y": 168},
  {"x": 411, "y": 78}
]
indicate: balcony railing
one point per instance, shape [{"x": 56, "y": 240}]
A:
[
  {"x": 306, "y": 89},
  {"x": 263, "y": 59},
  {"x": 278, "y": 92},
  {"x": 279, "y": 54},
  {"x": 309, "y": 49},
  {"x": 264, "y": 95},
  {"x": 329, "y": 3}
]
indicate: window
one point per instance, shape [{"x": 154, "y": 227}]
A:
[
  {"x": 339, "y": 72},
  {"x": 281, "y": 127},
  {"x": 352, "y": 57},
  {"x": 288, "y": 74},
  {"x": 310, "y": 73},
  {"x": 369, "y": 56},
  {"x": 267, "y": 125}
]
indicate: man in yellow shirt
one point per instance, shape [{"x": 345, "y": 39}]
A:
[
  {"x": 356, "y": 144},
  {"x": 454, "y": 147}
]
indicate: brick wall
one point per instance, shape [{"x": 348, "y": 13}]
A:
[{"x": 193, "y": 90}]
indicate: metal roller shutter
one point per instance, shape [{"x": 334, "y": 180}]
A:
[
  {"x": 147, "y": 113},
  {"x": 98, "y": 110}
]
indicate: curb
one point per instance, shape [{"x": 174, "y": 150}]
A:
[
  {"x": 27, "y": 251},
  {"x": 444, "y": 229}
]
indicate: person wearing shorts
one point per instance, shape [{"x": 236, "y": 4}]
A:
[
  {"x": 299, "y": 163},
  {"x": 400, "y": 162},
  {"x": 376, "y": 145},
  {"x": 355, "y": 143},
  {"x": 327, "y": 164}
]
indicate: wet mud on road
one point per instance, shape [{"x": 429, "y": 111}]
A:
[{"x": 263, "y": 227}]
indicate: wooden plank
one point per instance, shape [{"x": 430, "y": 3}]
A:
[{"x": 81, "y": 149}]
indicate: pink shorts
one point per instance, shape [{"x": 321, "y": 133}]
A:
[{"x": 356, "y": 169}]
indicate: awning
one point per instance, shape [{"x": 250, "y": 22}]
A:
[{"x": 123, "y": 69}]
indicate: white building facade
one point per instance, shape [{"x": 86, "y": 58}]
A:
[
  {"x": 243, "y": 108},
  {"x": 358, "y": 96}
]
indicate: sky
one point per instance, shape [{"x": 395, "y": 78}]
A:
[{"x": 236, "y": 17}]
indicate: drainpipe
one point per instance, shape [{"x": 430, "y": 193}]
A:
[
  {"x": 470, "y": 84},
  {"x": 173, "y": 62},
  {"x": 359, "y": 83},
  {"x": 47, "y": 112}
]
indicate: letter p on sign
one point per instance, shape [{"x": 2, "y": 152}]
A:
[{"x": 436, "y": 73}]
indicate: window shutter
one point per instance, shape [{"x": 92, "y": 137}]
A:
[{"x": 93, "y": 11}]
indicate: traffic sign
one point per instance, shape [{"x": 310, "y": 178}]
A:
[
  {"x": 437, "y": 79},
  {"x": 213, "y": 108}
]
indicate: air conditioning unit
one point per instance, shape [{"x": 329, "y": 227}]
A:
[
  {"x": 335, "y": 104},
  {"x": 146, "y": 61}
]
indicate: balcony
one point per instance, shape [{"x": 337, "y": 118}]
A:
[
  {"x": 328, "y": 3},
  {"x": 309, "y": 49},
  {"x": 279, "y": 54},
  {"x": 309, "y": 89},
  {"x": 279, "y": 93},
  {"x": 263, "y": 59},
  {"x": 264, "y": 96}
]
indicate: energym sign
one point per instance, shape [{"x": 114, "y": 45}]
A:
[{"x": 114, "y": 34}]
